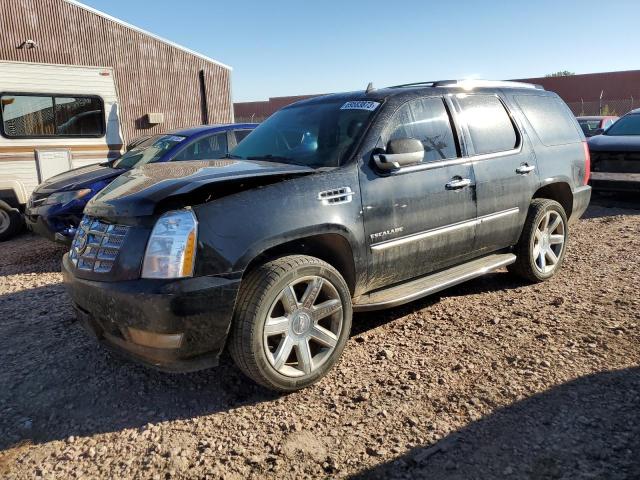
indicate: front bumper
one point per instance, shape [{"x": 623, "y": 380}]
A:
[
  {"x": 200, "y": 308},
  {"x": 57, "y": 228},
  {"x": 581, "y": 199},
  {"x": 615, "y": 182}
]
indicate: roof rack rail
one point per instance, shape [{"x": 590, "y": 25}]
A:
[{"x": 470, "y": 84}]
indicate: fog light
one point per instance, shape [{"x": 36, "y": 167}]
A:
[{"x": 155, "y": 340}]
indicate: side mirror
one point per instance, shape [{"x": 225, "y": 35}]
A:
[{"x": 400, "y": 153}]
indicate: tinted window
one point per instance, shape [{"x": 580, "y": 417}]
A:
[
  {"x": 427, "y": 120},
  {"x": 240, "y": 134},
  {"x": 627, "y": 125},
  {"x": 207, "y": 148},
  {"x": 149, "y": 151},
  {"x": 51, "y": 116},
  {"x": 589, "y": 126},
  {"x": 489, "y": 124},
  {"x": 551, "y": 119}
]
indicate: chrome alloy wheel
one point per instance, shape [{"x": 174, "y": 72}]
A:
[
  {"x": 5, "y": 220},
  {"x": 549, "y": 241},
  {"x": 303, "y": 326}
]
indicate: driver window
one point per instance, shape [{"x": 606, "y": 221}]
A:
[
  {"x": 427, "y": 120},
  {"x": 207, "y": 148}
]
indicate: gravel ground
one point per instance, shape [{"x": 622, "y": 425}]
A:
[{"x": 493, "y": 378}]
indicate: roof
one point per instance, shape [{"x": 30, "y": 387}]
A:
[
  {"x": 595, "y": 117},
  {"x": 221, "y": 127},
  {"x": 414, "y": 89},
  {"x": 137, "y": 29}
]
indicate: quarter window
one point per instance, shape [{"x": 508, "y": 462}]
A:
[
  {"x": 550, "y": 118},
  {"x": 29, "y": 116},
  {"x": 489, "y": 124},
  {"x": 427, "y": 120}
]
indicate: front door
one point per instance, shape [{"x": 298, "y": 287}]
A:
[{"x": 419, "y": 218}]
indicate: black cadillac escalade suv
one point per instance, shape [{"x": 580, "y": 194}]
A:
[{"x": 347, "y": 202}]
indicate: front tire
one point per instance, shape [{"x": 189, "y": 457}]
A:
[
  {"x": 10, "y": 222},
  {"x": 291, "y": 323},
  {"x": 542, "y": 245}
]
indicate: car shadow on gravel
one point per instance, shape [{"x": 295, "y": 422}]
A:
[
  {"x": 579, "y": 429},
  {"x": 28, "y": 253},
  {"x": 57, "y": 382},
  {"x": 609, "y": 204},
  {"x": 492, "y": 282}
]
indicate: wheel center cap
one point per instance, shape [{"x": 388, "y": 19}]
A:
[{"x": 301, "y": 323}]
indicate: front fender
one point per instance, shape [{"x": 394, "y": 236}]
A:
[{"x": 236, "y": 229}]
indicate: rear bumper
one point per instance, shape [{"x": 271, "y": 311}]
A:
[
  {"x": 581, "y": 198},
  {"x": 199, "y": 308},
  {"x": 615, "y": 182}
]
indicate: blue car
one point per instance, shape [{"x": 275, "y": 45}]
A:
[{"x": 55, "y": 207}]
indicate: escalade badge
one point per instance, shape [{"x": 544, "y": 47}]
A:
[{"x": 386, "y": 233}]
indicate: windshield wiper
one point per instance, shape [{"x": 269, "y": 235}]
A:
[
  {"x": 270, "y": 157},
  {"x": 230, "y": 155}
]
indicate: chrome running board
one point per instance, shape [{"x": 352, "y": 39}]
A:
[{"x": 421, "y": 287}]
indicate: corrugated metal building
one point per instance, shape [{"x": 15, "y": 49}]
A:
[
  {"x": 152, "y": 75},
  {"x": 612, "y": 93}
]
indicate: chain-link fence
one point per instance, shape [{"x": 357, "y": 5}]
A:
[
  {"x": 580, "y": 109},
  {"x": 250, "y": 119},
  {"x": 604, "y": 107}
]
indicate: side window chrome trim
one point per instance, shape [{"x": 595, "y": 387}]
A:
[{"x": 454, "y": 161}]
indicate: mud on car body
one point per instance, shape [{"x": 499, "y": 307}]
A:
[{"x": 348, "y": 202}]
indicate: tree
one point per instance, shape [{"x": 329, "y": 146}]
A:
[{"x": 563, "y": 73}]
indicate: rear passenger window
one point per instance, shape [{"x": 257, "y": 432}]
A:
[
  {"x": 427, "y": 120},
  {"x": 490, "y": 125},
  {"x": 551, "y": 119}
]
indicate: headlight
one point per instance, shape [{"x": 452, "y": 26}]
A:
[
  {"x": 66, "y": 197},
  {"x": 171, "y": 250}
]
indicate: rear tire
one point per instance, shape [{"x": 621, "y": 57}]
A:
[
  {"x": 543, "y": 242},
  {"x": 291, "y": 322},
  {"x": 10, "y": 222}
]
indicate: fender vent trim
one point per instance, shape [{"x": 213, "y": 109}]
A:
[{"x": 336, "y": 196}]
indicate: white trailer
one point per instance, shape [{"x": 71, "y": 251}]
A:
[{"x": 52, "y": 118}]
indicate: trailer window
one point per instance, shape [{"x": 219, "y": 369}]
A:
[{"x": 37, "y": 115}]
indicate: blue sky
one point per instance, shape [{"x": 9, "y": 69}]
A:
[{"x": 285, "y": 47}]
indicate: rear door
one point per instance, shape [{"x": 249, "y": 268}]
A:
[
  {"x": 419, "y": 218},
  {"x": 505, "y": 168}
]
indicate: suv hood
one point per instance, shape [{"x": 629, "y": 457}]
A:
[
  {"x": 137, "y": 192},
  {"x": 615, "y": 143},
  {"x": 78, "y": 178}
]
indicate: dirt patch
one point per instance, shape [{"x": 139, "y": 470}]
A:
[{"x": 494, "y": 378}]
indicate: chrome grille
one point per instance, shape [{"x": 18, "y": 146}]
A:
[{"x": 97, "y": 244}]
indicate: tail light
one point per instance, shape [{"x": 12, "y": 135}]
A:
[{"x": 587, "y": 162}]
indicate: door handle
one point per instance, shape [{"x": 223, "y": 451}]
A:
[
  {"x": 525, "y": 168},
  {"x": 458, "y": 183}
]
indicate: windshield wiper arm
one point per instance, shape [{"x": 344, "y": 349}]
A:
[
  {"x": 270, "y": 157},
  {"x": 230, "y": 155}
]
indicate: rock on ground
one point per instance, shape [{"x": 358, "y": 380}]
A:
[{"x": 491, "y": 379}]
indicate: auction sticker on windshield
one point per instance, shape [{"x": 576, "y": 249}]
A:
[{"x": 360, "y": 105}]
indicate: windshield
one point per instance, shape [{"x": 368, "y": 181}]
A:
[
  {"x": 627, "y": 125},
  {"x": 148, "y": 151},
  {"x": 317, "y": 135},
  {"x": 589, "y": 126}
]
